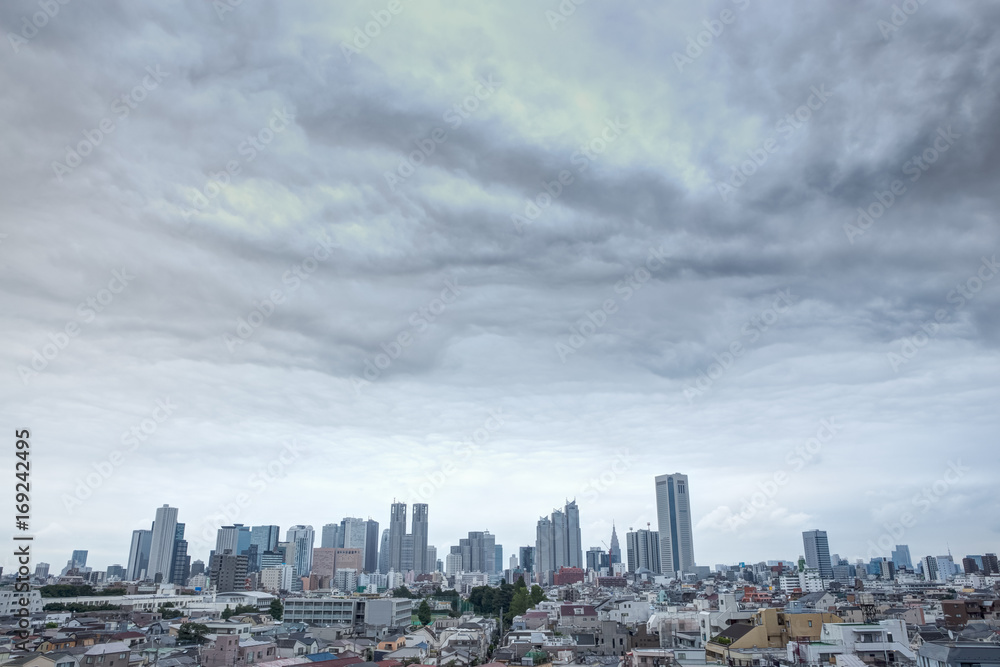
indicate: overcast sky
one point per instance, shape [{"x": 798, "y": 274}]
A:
[{"x": 258, "y": 200}]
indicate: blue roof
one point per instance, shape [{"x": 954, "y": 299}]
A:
[{"x": 318, "y": 657}]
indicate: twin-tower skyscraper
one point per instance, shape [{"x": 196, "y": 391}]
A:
[{"x": 408, "y": 551}]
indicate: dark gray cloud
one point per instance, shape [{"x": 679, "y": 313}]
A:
[{"x": 218, "y": 217}]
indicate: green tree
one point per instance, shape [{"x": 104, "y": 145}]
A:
[
  {"x": 170, "y": 612},
  {"x": 277, "y": 609},
  {"x": 227, "y": 613},
  {"x": 518, "y": 605},
  {"x": 192, "y": 632},
  {"x": 402, "y": 592},
  {"x": 424, "y": 612},
  {"x": 536, "y": 595}
]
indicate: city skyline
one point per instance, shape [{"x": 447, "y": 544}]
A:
[{"x": 510, "y": 548}]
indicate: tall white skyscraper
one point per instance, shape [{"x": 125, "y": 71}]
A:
[
  {"x": 673, "y": 518},
  {"x": 161, "y": 548}
]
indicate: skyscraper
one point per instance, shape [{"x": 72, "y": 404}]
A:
[
  {"x": 406, "y": 561},
  {"x": 161, "y": 548},
  {"x": 383, "y": 552},
  {"x": 420, "y": 565},
  {"x": 331, "y": 537},
  {"x": 901, "y": 557},
  {"x": 616, "y": 550},
  {"x": 526, "y": 556},
  {"x": 673, "y": 518},
  {"x": 371, "y": 546},
  {"x": 544, "y": 553},
  {"x": 817, "y": 552},
  {"x": 397, "y": 531},
  {"x": 557, "y": 540},
  {"x": 79, "y": 559},
  {"x": 643, "y": 550},
  {"x": 265, "y": 538},
  {"x": 303, "y": 538},
  {"x": 138, "y": 554},
  {"x": 180, "y": 562},
  {"x": 574, "y": 545},
  {"x": 352, "y": 533}
]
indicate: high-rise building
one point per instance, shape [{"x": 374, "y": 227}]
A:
[
  {"x": 544, "y": 551},
  {"x": 331, "y": 538},
  {"x": 419, "y": 529},
  {"x": 901, "y": 557},
  {"x": 526, "y": 556},
  {"x": 990, "y": 564},
  {"x": 228, "y": 572},
  {"x": 371, "y": 546},
  {"x": 197, "y": 567},
  {"x": 138, "y": 555},
  {"x": 574, "y": 544},
  {"x": 498, "y": 558},
  {"x": 929, "y": 564},
  {"x": 227, "y": 538},
  {"x": 352, "y": 533},
  {"x": 383, "y": 552},
  {"x": 79, "y": 559},
  {"x": 406, "y": 563},
  {"x": 115, "y": 573},
  {"x": 161, "y": 548},
  {"x": 180, "y": 564},
  {"x": 265, "y": 538},
  {"x": 616, "y": 550},
  {"x": 397, "y": 531},
  {"x": 432, "y": 556},
  {"x": 673, "y": 518},
  {"x": 945, "y": 567},
  {"x": 596, "y": 559},
  {"x": 643, "y": 550},
  {"x": 303, "y": 538},
  {"x": 817, "y": 552},
  {"x": 42, "y": 571}
]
